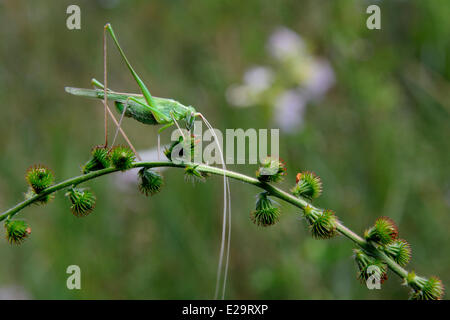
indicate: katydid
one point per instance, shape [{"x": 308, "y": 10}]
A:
[{"x": 152, "y": 110}]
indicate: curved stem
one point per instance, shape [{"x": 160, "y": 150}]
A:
[{"x": 274, "y": 191}]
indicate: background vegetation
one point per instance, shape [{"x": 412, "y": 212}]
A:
[{"x": 378, "y": 138}]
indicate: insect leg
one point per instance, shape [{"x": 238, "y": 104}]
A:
[
  {"x": 159, "y": 116},
  {"x": 97, "y": 84},
  {"x": 148, "y": 97},
  {"x": 120, "y": 121},
  {"x": 124, "y": 134}
]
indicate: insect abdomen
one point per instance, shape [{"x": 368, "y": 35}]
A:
[{"x": 137, "y": 112}]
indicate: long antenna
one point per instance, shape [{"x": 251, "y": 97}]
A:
[
  {"x": 226, "y": 194},
  {"x": 229, "y": 240}
]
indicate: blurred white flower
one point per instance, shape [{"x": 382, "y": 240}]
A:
[
  {"x": 14, "y": 293},
  {"x": 239, "y": 95},
  {"x": 285, "y": 43},
  {"x": 258, "y": 78},
  {"x": 290, "y": 107},
  {"x": 128, "y": 180},
  {"x": 321, "y": 79}
]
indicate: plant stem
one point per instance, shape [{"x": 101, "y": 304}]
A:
[{"x": 274, "y": 191}]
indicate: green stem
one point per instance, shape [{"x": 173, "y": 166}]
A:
[{"x": 274, "y": 191}]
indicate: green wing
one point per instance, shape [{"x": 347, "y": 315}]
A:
[{"x": 138, "y": 111}]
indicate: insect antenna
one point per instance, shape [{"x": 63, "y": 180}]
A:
[
  {"x": 178, "y": 126},
  {"x": 225, "y": 224},
  {"x": 159, "y": 145},
  {"x": 228, "y": 240}
]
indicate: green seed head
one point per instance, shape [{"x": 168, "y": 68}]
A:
[
  {"x": 150, "y": 182},
  {"x": 192, "y": 174},
  {"x": 180, "y": 147},
  {"x": 400, "y": 251},
  {"x": 43, "y": 199},
  {"x": 99, "y": 160},
  {"x": 324, "y": 225},
  {"x": 82, "y": 201},
  {"x": 39, "y": 178},
  {"x": 271, "y": 170},
  {"x": 383, "y": 232},
  {"x": 121, "y": 157},
  {"x": 16, "y": 231},
  {"x": 308, "y": 185},
  {"x": 369, "y": 266},
  {"x": 310, "y": 214},
  {"x": 168, "y": 150},
  {"x": 265, "y": 214},
  {"x": 431, "y": 289}
]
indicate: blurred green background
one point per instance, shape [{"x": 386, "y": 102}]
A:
[{"x": 379, "y": 139}]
